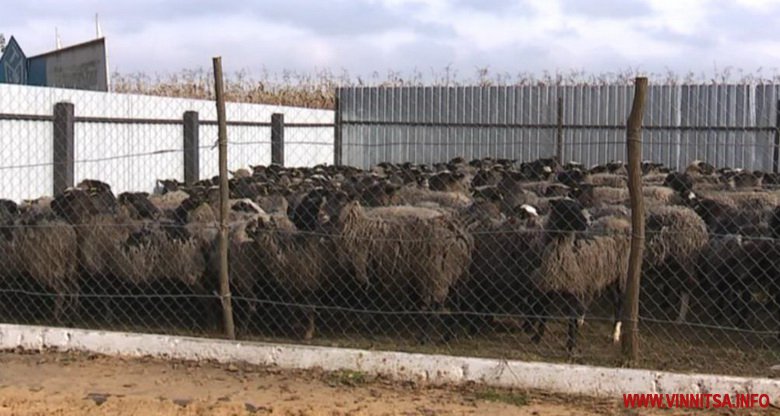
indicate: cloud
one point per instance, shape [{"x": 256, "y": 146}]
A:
[
  {"x": 493, "y": 6},
  {"x": 606, "y": 8},
  {"x": 363, "y": 36}
]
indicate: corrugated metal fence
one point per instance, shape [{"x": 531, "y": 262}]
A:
[{"x": 726, "y": 125}]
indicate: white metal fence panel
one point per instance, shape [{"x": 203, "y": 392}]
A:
[{"x": 132, "y": 156}]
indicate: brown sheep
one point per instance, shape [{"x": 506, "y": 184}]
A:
[
  {"x": 579, "y": 267},
  {"x": 409, "y": 255}
]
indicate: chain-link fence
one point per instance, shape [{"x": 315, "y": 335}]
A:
[{"x": 492, "y": 247}]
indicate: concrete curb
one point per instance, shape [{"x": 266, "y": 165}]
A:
[{"x": 434, "y": 369}]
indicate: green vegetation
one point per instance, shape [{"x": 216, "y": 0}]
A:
[
  {"x": 347, "y": 378},
  {"x": 503, "y": 396}
]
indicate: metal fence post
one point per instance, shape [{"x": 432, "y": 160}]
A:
[
  {"x": 776, "y": 156},
  {"x": 62, "y": 154},
  {"x": 191, "y": 147},
  {"x": 277, "y": 139},
  {"x": 559, "y": 137},
  {"x": 337, "y": 141}
]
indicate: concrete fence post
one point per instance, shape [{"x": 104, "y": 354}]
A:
[
  {"x": 277, "y": 139},
  {"x": 191, "y": 147},
  {"x": 62, "y": 155}
]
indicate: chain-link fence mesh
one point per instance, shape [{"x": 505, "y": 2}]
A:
[{"x": 449, "y": 226}]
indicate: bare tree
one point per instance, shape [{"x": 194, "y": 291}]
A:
[{"x": 2, "y": 43}]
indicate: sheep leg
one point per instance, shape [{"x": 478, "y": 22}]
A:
[
  {"x": 777, "y": 302},
  {"x": 571, "y": 341},
  {"x": 246, "y": 311},
  {"x": 470, "y": 317},
  {"x": 685, "y": 299},
  {"x": 310, "y": 313},
  {"x": 59, "y": 306},
  {"x": 63, "y": 303},
  {"x": 743, "y": 302},
  {"x": 540, "y": 318},
  {"x": 577, "y": 319},
  {"x": 720, "y": 299},
  {"x": 430, "y": 326},
  {"x": 618, "y": 299},
  {"x": 106, "y": 302}
]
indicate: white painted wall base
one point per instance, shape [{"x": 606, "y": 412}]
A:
[{"x": 435, "y": 369}]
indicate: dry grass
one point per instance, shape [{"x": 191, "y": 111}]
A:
[{"x": 316, "y": 89}]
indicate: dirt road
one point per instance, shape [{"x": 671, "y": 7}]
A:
[{"x": 77, "y": 384}]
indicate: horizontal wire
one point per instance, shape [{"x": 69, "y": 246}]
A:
[{"x": 216, "y": 296}]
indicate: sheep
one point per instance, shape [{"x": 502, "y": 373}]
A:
[
  {"x": 169, "y": 200},
  {"x": 100, "y": 193},
  {"x": 745, "y": 200},
  {"x": 675, "y": 237},
  {"x": 745, "y": 180},
  {"x": 744, "y": 213},
  {"x": 608, "y": 180},
  {"x": 682, "y": 183},
  {"x": 596, "y": 213},
  {"x": 730, "y": 266},
  {"x": 487, "y": 192},
  {"x": 241, "y": 173},
  {"x": 410, "y": 255},
  {"x": 661, "y": 195},
  {"x": 36, "y": 206},
  {"x": 164, "y": 186},
  {"x": 591, "y": 196},
  {"x": 540, "y": 169},
  {"x": 487, "y": 177},
  {"x": 615, "y": 167},
  {"x": 8, "y": 211},
  {"x": 698, "y": 167},
  {"x": 410, "y": 195},
  {"x": 510, "y": 201},
  {"x": 244, "y": 265},
  {"x": 579, "y": 267},
  {"x": 45, "y": 250},
  {"x": 74, "y": 206},
  {"x": 571, "y": 178},
  {"x": 296, "y": 263},
  {"x": 116, "y": 250},
  {"x": 505, "y": 253},
  {"x": 138, "y": 205},
  {"x": 449, "y": 182},
  {"x": 654, "y": 179},
  {"x": 9, "y": 264},
  {"x": 273, "y": 204}
]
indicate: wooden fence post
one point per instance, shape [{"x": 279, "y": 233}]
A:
[
  {"x": 630, "y": 315},
  {"x": 62, "y": 155},
  {"x": 191, "y": 147},
  {"x": 224, "y": 282},
  {"x": 277, "y": 139}
]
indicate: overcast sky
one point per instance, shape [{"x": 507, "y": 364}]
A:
[{"x": 362, "y": 36}]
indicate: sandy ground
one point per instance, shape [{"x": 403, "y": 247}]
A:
[{"x": 76, "y": 384}]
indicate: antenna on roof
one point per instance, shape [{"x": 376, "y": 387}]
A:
[
  {"x": 98, "y": 30},
  {"x": 57, "y": 40}
]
